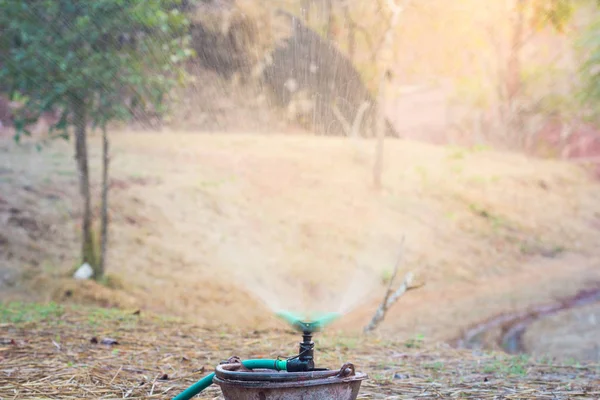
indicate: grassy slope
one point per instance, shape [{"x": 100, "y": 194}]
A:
[
  {"x": 46, "y": 352},
  {"x": 201, "y": 224}
]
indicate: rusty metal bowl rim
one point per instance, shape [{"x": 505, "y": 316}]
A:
[
  {"x": 235, "y": 371},
  {"x": 292, "y": 384},
  {"x": 275, "y": 380}
]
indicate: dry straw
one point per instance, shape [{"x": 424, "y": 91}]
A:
[{"x": 62, "y": 357}]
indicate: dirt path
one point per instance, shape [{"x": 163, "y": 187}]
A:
[{"x": 522, "y": 331}]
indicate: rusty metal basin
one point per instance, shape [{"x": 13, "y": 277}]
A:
[{"x": 238, "y": 383}]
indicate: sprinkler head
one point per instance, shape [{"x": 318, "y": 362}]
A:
[
  {"x": 316, "y": 325},
  {"x": 304, "y": 361}
]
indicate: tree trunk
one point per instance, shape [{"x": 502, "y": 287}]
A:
[
  {"x": 351, "y": 32},
  {"x": 104, "y": 212},
  {"x": 513, "y": 68},
  {"x": 380, "y": 131},
  {"x": 329, "y": 12},
  {"x": 513, "y": 74},
  {"x": 305, "y": 10},
  {"x": 87, "y": 250},
  {"x": 385, "y": 63}
]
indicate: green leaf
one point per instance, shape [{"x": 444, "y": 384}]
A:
[{"x": 51, "y": 60}]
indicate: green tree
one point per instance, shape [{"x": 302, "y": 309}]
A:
[
  {"x": 94, "y": 62},
  {"x": 538, "y": 14},
  {"x": 589, "y": 49},
  {"x": 556, "y": 13}
]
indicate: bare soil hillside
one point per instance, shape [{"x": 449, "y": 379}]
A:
[{"x": 220, "y": 228}]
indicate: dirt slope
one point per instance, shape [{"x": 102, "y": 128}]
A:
[{"x": 216, "y": 228}]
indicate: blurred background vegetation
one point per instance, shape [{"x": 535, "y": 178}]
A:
[{"x": 450, "y": 79}]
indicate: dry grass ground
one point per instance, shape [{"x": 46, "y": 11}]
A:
[
  {"x": 52, "y": 352},
  {"x": 217, "y": 228}
]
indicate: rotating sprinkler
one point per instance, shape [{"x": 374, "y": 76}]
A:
[{"x": 296, "y": 377}]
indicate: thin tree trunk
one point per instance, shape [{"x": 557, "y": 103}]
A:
[
  {"x": 513, "y": 73},
  {"x": 87, "y": 249},
  {"x": 513, "y": 81},
  {"x": 351, "y": 32},
  {"x": 329, "y": 12},
  {"x": 388, "y": 43},
  {"x": 104, "y": 213},
  {"x": 380, "y": 131},
  {"x": 305, "y": 10}
]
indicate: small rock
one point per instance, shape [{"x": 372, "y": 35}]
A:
[
  {"x": 291, "y": 85},
  {"x": 164, "y": 377},
  {"x": 94, "y": 340},
  {"x": 84, "y": 272},
  {"x": 401, "y": 376},
  {"x": 109, "y": 341}
]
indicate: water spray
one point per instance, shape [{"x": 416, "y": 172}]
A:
[{"x": 293, "y": 378}]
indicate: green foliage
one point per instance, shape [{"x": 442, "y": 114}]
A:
[
  {"x": 17, "y": 312},
  {"x": 435, "y": 366},
  {"x": 386, "y": 276},
  {"x": 556, "y": 13},
  {"x": 113, "y": 56},
  {"x": 415, "y": 343},
  {"x": 508, "y": 366},
  {"x": 495, "y": 220},
  {"x": 589, "y": 49},
  {"x": 97, "y": 317}
]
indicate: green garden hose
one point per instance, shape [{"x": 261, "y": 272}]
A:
[{"x": 277, "y": 365}]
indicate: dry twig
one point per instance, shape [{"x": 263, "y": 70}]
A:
[
  {"x": 352, "y": 130},
  {"x": 391, "y": 296}
]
